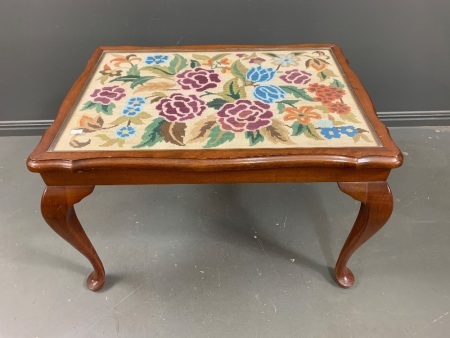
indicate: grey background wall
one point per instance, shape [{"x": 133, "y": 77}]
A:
[{"x": 399, "y": 48}]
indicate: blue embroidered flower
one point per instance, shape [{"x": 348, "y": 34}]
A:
[
  {"x": 135, "y": 101},
  {"x": 260, "y": 74},
  {"x": 131, "y": 111},
  {"x": 269, "y": 93},
  {"x": 348, "y": 130},
  {"x": 156, "y": 59},
  {"x": 125, "y": 132},
  {"x": 330, "y": 133}
]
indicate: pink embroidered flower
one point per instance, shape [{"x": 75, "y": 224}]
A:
[
  {"x": 179, "y": 107},
  {"x": 296, "y": 76},
  {"x": 108, "y": 94},
  {"x": 199, "y": 79},
  {"x": 244, "y": 115}
]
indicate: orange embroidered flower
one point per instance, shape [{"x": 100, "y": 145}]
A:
[
  {"x": 339, "y": 108},
  {"x": 303, "y": 114},
  {"x": 326, "y": 94}
]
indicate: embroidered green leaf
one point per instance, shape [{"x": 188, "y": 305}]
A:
[
  {"x": 103, "y": 79},
  {"x": 350, "y": 117},
  {"x": 99, "y": 108},
  {"x": 217, "y": 137},
  {"x": 272, "y": 55},
  {"x": 173, "y": 132},
  {"x": 338, "y": 123},
  {"x": 324, "y": 109},
  {"x": 88, "y": 105},
  {"x": 219, "y": 56},
  {"x": 232, "y": 89},
  {"x": 280, "y": 107},
  {"x": 143, "y": 115},
  {"x": 252, "y": 55},
  {"x": 289, "y": 102},
  {"x": 135, "y": 80},
  {"x": 299, "y": 93},
  {"x": 152, "y": 133},
  {"x": 254, "y": 137},
  {"x": 311, "y": 132},
  {"x": 158, "y": 70},
  {"x": 106, "y": 108},
  {"x": 133, "y": 70},
  {"x": 103, "y": 137},
  {"x": 201, "y": 57},
  {"x": 177, "y": 64},
  {"x": 298, "y": 129},
  {"x": 108, "y": 142},
  {"x": 323, "y": 75},
  {"x": 337, "y": 83},
  {"x": 195, "y": 64},
  {"x": 328, "y": 72},
  {"x": 239, "y": 70},
  {"x": 216, "y": 103},
  {"x": 136, "y": 120},
  {"x": 120, "y": 120}
]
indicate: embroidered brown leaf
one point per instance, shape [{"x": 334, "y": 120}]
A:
[
  {"x": 89, "y": 125},
  {"x": 276, "y": 132},
  {"x": 173, "y": 132},
  {"x": 200, "y": 129},
  {"x": 155, "y": 86},
  {"x": 77, "y": 144}
]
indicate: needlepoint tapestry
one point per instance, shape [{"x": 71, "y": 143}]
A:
[{"x": 141, "y": 100}]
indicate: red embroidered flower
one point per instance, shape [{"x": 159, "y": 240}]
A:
[
  {"x": 108, "y": 94},
  {"x": 326, "y": 94},
  {"x": 296, "y": 76},
  {"x": 180, "y": 107},
  {"x": 244, "y": 115},
  {"x": 339, "y": 108},
  {"x": 199, "y": 79}
]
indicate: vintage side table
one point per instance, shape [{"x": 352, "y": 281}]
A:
[{"x": 216, "y": 114}]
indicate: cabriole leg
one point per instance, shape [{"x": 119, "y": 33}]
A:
[
  {"x": 376, "y": 208},
  {"x": 58, "y": 211}
]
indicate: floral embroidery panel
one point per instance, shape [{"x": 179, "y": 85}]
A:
[{"x": 222, "y": 100}]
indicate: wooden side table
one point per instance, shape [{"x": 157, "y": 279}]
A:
[{"x": 216, "y": 114}]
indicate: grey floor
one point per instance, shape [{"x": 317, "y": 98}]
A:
[{"x": 230, "y": 260}]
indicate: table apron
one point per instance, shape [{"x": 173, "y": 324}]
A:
[{"x": 164, "y": 176}]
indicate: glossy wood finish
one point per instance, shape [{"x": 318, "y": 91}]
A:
[
  {"x": 58, "y": 211},
  {"x": 362, "y": 172},
  {"x": 376, "y": 208}
]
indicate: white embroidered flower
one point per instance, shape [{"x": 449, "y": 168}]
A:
[{"x": 285, "y": 60}]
